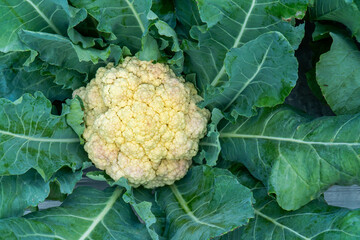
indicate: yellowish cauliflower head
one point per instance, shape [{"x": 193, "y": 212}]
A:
[{"x": 142, "y": 122}]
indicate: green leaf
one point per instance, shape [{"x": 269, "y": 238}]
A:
[
  {"x": 125, "y": 21},
  {"x": 231, "y": 24},
  {"x": 67, "y": 78},
  {"x": 75, "y": 117},
  {"x": 142, "y": 204},
  {"x": 342, "y": 11},
  {"x": 52, "y": 47},
  {"x": 66, "y": 179},
  {"x": 15, "y": 79},
  {"x": 261, "y": 74},
  {"x": 206, "y": 203},
  {"x": 29, "y": 189},
  {"x": 134, "y": 25},
  {"x": 169, "y": 42},
  {"x": 187, "y": 15},
  {"x": 322, "y": 31},
  {"x": 79, "y": 17},
  {"x": 14, "y": 83},
  {"x": 313, "y": 85},
  {"x": 101, "y": 176},
  {"x": 20, "y": 192},
  {"x": 156, "y": 221},
  {"x": 96, "y": 215},
  {"x": 31, "y": 137},
  {"x": 296, "y": 157},
  {"x": 35, "y": 15},
  {"x": 164, "y": 9},
  {"x": 272, "y": 222},
  {"x": 338, "y": 75},
  {"x": 149, "y": 50},
  {"x": 209, "y": 146}
]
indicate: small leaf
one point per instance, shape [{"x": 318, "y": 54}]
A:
[
  {"x": 165, "y": 11},
  {"x": 75, "y": 117},
  {"x": 66, "y": 179},
  {"x": 209, "y": 146}
]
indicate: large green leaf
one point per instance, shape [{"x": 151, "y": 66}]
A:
[
  {"x": 261, "y": 74},
  {"x": 297, "y": 158},
  {"x": 343, "y": 11},
  {"x": 316, "y": 220},
  {"x": 206, "y": 203},
  {"x": 29, "y": 189},
  {"x": 60, "y": 51},
  {"x": 86, "y": 214},
  {"x": 273, "y": 223},
  {"x": 231, "y": 24},
  {"x": 17, "y": 79},
  {"x": 20, "y": 192},
  {"x": 15, "y": 82},
  {"x": 143, "y": 203},
  {"x": 125, "y": 21},
  {"x": 338, "y": 75},
  {"x": 30, "y": 137},
  {"x": 52, "y": 16}
]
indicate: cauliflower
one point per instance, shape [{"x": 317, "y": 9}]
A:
[{"x": 142, "y": 122}]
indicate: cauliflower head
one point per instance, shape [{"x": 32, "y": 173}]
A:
[{"x": 142, "y": 122}]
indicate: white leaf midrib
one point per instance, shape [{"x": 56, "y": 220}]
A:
[
  {"x": 186, "y": 208},
  {"x": 136, "y": 15},
  {"x": 258, "y": 69},
  {"x": 282, "y": 139},
  {"x": 109, "y": 204},
  {"x": 236, "y": 43},
  {"x": 47, "y": 20},
  {"x": 38, "y": 139},
  {"x": 273, "y": 221}
]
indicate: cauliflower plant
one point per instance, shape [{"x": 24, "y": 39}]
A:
[{"x": 142, "y": 122}]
